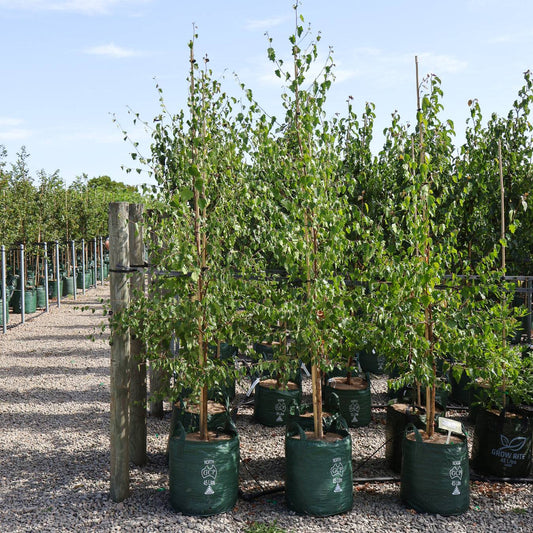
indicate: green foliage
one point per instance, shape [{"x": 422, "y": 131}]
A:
[
  {"x": 193, "y": 231},
  {"x": 302, "y": 209},
  {"x": 478, "y": 212},
  {"x": 48, "y": 210},
  {"x": 292, "y": 229}
]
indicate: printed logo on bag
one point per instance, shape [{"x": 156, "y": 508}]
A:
[
  {"x": 509, "y": 451},
  {"x": 354, "y": 409},
  {"x": 280, "y": 409},
  {"x": 337, "y": 471},
  {"x": 209, "y": 475},
  {"x": 456, "y": 475}
]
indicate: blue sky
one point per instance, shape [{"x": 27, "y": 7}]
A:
[{"x": 68, "y": 65}]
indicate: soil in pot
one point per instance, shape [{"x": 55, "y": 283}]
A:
[{"x": 351, "y": 399}]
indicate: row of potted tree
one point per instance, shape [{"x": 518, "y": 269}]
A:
[{"x": 263, "y": 230}]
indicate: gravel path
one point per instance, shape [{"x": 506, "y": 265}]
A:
[{"x": 54, "y": 451}]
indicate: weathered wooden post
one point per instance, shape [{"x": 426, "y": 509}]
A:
[
  {"x": 120, "y": 351},
  {"x": 138, "y": 362}
]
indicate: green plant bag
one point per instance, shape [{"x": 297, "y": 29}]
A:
[
  {"x": 353, "y": 405},
  {"x": 68, "y": 285},
  {"x": 435, "y": 478},
  {"x": 502, "y": 446},
  {"x": 397, "y": 422},
  {"x": 370, "y": 361},
  {"x": 462, "y": 389},
  {"x": 307, "y": 423},
  {"x": 30, "y": 301},
  {"x": 272, "y": 406},
  {"x": 1, "y": 315},
  {"x": 319, "y": 478},
  {"x": 52, "y": 288},
  {"x": 41, "y": 297},
  {"x": 191, "y": 421},
  {"x": 203, "y": 476}
]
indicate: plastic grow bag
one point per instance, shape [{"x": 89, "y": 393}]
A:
[
  {"x": 370, "y": 361},
  {"x": 203, "y": 476},
  {"x": 502, "y": 444},
  {"x": 398, "y": 418},
  {"x": 272, "y": 406},
  {"x": 319, "y": 473},
  {"x": 191, "y": 420},
  {"x": 353, "y": 404},
  {"x": 435, "y": 477}
]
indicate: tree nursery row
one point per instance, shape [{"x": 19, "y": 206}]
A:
[
  {"x": 288, "y": 234},
  {"x": 51, "y": 270}
]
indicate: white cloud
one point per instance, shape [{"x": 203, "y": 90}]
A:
[
  {"x": 442, "y": 64},
  {"x": 14, "y": 134},
  {"x": 265, "y": 24},
  {"x": 9, "y": 122},
  {"x": 85, "y": 7},
  {"x": 387, "y": 69},
  {"x": 11, "y": 130},
  {"x": 515, "y": 38},
  {"x": 111, "y": 50}
]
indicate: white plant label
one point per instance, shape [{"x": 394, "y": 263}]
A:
[
  {"x": 451, "y": 426},
  {"x": 456, "y": 475},
  {"x": 209, "y": 475},
  {"x": 280, "y": 409},
  {"x": 510, "y": 451},
  {"x": 304, "y": 368},
  {"x": 354, "y": 409},
  {"x": 337, "y": 471}
]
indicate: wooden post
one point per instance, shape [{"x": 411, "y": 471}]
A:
[
  {"x": 120, "y": 351},
  {"x": 138, "y": 360}
]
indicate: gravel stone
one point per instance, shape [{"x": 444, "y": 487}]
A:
[{"x": 54, "y": 450}]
